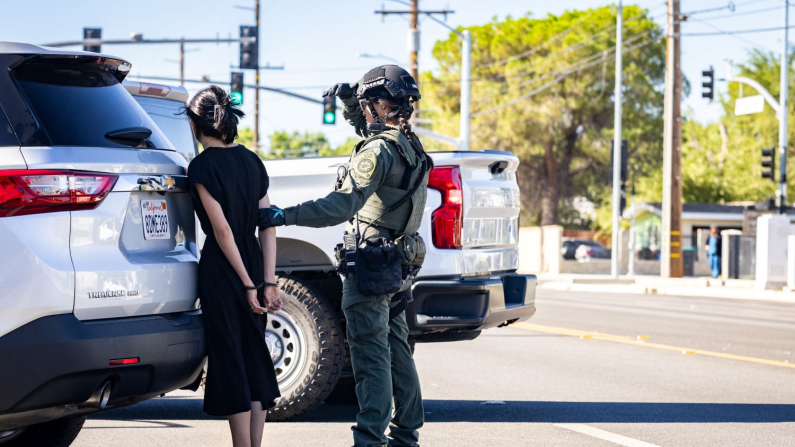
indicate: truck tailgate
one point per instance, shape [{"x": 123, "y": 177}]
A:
[{"x": 490, "y": 224}]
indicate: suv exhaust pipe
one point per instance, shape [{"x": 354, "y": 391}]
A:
[{"x": 100, "y": 398}]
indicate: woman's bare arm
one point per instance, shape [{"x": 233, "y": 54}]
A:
[{"x": 223, "y": 234}]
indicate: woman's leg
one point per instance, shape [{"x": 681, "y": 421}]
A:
[
  {"x": 240, "y": 423},
  {"x": 258, "y": 416}
]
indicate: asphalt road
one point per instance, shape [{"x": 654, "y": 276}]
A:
[{"x": 710, "y": 373}]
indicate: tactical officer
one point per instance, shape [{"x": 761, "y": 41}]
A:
[{"x": 382, "y": 199}]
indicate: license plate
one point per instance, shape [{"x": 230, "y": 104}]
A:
[{"x": 155, "y": 219}]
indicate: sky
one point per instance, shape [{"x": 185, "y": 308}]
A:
[{"x": 319, "y": 43}]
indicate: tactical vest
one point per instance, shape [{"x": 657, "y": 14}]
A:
[{"x": 407, "y": 218}]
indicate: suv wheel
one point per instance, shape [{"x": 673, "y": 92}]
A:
[
  {"x": 307, "y": 347},
  {"x": 57, "y": 433}
]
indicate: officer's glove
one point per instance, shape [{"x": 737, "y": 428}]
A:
[
  {"x": 270, "y": 217},
  {"x": 342, "y": 91}
]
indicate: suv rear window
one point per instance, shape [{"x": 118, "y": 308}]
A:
[
  {"x": 78, "y": 102},
  {"x": 173, "y": 122}
]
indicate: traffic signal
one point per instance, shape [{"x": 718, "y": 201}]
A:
[
  {"x": 330, "y": 110},
  {"x": 237, "y": 87},
  {"x": 623, "y": 174},
  {"x": 769, "y": 162},
  {"x": 249, "y": 47},
  {"x": 93, "y": 34},
  {"x": 708, "y": 84}
]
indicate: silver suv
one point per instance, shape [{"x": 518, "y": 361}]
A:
[{"x": 98, "y": 300}]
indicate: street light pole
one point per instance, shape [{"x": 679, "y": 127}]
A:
[
  {"x": 781, "y": 193},
  {"x": 466, "y": 88},
  {"x": 617, "y": 147}
]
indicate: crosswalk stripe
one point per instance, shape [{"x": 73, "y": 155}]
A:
[{"x": 605, "y": 435}]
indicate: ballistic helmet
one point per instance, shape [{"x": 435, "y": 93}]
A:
[{"x": 388, "y": 81}]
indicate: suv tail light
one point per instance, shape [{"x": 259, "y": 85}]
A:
[
  {"x": 45, "y": 191},
  {"x": 447, "y": 220}
]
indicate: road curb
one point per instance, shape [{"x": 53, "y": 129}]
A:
[{"x": 568, "y": 285}]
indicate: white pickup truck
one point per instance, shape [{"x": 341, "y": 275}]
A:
[{"x": 468, "y": 282}]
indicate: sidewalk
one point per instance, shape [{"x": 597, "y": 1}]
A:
[{"x": 653, "y": 285}]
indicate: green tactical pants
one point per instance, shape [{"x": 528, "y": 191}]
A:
[{"x": 384, "y": 370}]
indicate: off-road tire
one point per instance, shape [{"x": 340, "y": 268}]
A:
[
  {"x": 57, "y": 433},
  {"x": 325, "y": 348}
]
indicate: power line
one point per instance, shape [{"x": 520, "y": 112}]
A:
[
  {"x": 543, "y": 45},
  {"x": 556, "y": 80},
  {"x": 742, "y": 31},
  {"x": 601, "y": 54},
  {"x": 747, "y": 13},
  {"x": 743, "y": 39},
  {"x": 589, "y": 39}
]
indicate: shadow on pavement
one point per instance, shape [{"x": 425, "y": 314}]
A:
[{"x": 511, "y": 411}]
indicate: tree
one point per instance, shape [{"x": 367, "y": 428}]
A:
[
  {"x": 245, "y": 136},
  {"x": 543, "y": 89},
  {"x": 297, "y": 144}
]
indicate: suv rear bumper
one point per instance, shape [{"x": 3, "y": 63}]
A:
[
  {"x": 51, "y": 366},
  {"x": 470, "y": 304}
]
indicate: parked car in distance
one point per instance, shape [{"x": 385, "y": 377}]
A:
[
  {"x": 98, "y": 282},
  {"x": 586, "y": 252},
  {"x": 592, "y": 249}
]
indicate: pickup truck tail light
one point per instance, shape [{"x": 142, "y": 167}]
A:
[
  {"x": 447, "y": 220},
  {"x": 45, "y": 191}
]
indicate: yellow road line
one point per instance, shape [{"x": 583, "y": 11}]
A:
[{"x": 644, "y": 344}]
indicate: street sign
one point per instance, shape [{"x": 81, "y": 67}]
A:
[{"x": 749, "y": 105}]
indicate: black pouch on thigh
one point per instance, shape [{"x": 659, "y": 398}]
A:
[{"x": 378, "y": 267}]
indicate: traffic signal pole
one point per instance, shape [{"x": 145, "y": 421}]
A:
[
  {"x": 781, "y": 193},
  {"x": 617, "y": 149}
]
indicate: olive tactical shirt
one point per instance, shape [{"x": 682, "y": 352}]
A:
[{"x": 375, "y": 164}]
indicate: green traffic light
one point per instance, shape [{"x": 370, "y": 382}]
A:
[
  {"x": 329, "y": 117},
  {"x": 237, "y": 98}
]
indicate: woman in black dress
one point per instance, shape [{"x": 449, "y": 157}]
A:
[{"x": 237, "y": 282}]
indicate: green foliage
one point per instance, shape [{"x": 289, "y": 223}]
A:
[
  {"x": 245, "y": 136},
  {"x": 344, "y": 149},
  {"x": 563, "y": 132},
  {"x": 297, "y": 144}
]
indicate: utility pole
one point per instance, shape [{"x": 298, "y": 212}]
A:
[
  {"x": 182, "y": 61},
  {"x": 781, "y": 193},
  {"x": 617, "y": 148},
  {"x": 414, "y": 35},
  {"x": 671, "y": 259},
  {"x": 414, "y": 40},
  {"x": 255, "y": 135}
]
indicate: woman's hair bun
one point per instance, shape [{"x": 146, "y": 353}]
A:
[{"x": 214, "y": 114}]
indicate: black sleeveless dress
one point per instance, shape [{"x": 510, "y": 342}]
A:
[{"x": 240, "y": 370}]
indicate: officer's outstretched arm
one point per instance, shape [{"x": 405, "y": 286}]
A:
[
  {"x": 353, "y": 114},
  {"x": 366, "y": 174}
]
